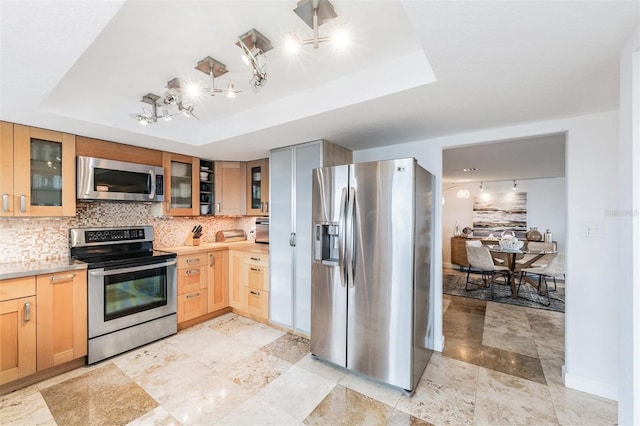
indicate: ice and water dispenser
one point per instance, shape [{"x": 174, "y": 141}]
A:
[{"x": 326, "y": 243}]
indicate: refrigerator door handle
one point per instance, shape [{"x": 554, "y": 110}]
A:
[
  {"x": 341, "y": 238},
  {"x": 350, "y": 220}
]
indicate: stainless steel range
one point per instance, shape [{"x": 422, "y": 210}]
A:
[{"x": 131, "y": 288}]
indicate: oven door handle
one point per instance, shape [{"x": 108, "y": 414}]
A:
[{"x": 102, "y": 272}]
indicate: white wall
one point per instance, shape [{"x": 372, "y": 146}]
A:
[
  {"x": 628, "y": 217},
  {"x": 592, "y": 178},
  {"x": 546, "y": 208}
]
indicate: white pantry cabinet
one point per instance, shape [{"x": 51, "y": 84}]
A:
[{"x": 290, "y": 228}]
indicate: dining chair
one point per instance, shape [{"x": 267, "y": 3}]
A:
[
  {"x": 555, "y": 268},
  {"x": 480, "y": 258},
  {"x": 525, "y": 260}
]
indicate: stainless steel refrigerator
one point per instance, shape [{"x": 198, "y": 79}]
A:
[{"x": 371, "y": 293}]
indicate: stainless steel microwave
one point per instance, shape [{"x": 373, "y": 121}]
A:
[{"x": 110, "y": 180}]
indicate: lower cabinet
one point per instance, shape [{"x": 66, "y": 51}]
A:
[
  {"x": 192, "y": 286},
  {"x": 62, "y": 318},
  {"x": 218, "y": 280},
  {"x": 249, "y": 282},
  {"x": 17, "y": 328}
]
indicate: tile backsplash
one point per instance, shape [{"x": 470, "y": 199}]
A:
[{"x": 25, "y": 239}]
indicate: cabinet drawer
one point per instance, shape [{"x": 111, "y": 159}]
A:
[
  {"x": 192, "y": 279},
  {"x": 257, "y": 277},
  {"x": 17, "y": 287},
  {"x": 189, "y": 261},
  {"x": 192, "y": 305},
  {"x": 258, "y": 303}
]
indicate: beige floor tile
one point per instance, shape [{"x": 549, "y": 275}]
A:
[
  {"x": 255, "y": 411},
  {"x": 222, "y": 352},
  {"x": 230, "y": 324},
  {"x": 380, "y": 392},
  {"x": 25, "y": 407},
  {"x": 256, "y": 371},
  {"x": 505, "y": 399},
  {"x": 102, "y": 396},
  {"x": 191, "y": 341},
  {"x": 156, "y": 417},
  {"x": 296, "y": 392},
  {"x": 343, "y": 406},
  {"x": 146, "y": 360},
  {"x": 521, "y": 343},
  {"x": 400, "y": 418},
  {"x": 321, "y": 368},
  {"x": 578, "y": 408},
  {"x": 289, "y": 347},
  {"x": 258, "y": 335}
]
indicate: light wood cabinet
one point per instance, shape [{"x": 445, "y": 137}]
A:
[
  {"x": 182, "y": 190},
  {"x": 255, "y": 277},
  {"x": 17, "y": 328},
  {"x": 62, "y": 318},
  {"x": 218, "y": 280},
  {"x": 90, "y": 147},
  {"x": 192, "y": 286},
  {"x": 237, "y": 291},
  {"x": 229, "y": 182},
  {"x": 38, "y": 176},
  {"x": 258, "y": 187},
  {"x": 249, "y": 283}
]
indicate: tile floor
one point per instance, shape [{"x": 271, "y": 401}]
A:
[{"x": 501, "y": 365}]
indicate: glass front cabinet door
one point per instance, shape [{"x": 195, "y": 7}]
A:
[
  {"x": 258, "y": 187},
  {"x": 182, "y": 195},
  {"x": 44, "y": 177}
]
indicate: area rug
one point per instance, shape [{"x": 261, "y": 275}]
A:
[{"x": 527, "y": 296}]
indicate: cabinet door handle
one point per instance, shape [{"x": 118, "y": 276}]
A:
[
  {"x": 256, "y": 259},
  {"x": 5, "y": 202},
  {"x": 218, "y": 207},
  {"x": 62, "y": 278},
  {"x": 27, "y": 311},
  {"x": 255, "y": 293},
  {"x": 292, "y": 239},
  {"x": 193, "y": 260},
  {"x": 193, "y": 271},
  {"x": 23, "y": 203},
  {"x": 210, "y": 260},
  {"x": 168, "y": 203},
  {"x": 193, "y": 296},
  {"x": 266, "y": 210},
  {"x": 255, "y": 269}
]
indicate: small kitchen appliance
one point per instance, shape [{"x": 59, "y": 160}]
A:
[{"x": 131, "y": 288}]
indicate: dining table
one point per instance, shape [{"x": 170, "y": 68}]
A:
[{"x": 512, "y": 256}]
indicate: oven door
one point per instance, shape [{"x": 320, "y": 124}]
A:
[{"x": 120, "y": 297}]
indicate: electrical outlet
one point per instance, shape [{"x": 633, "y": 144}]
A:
[{"x": 593, "y": 230}]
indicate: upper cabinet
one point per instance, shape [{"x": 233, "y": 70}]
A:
[
  {"x": 38, "y": 176},
  {"x": 182, "y": 195},
  {"x": 258, "y": 187},
  {"x": 229, "y": 181},
  {"x": 206, "y": 187}
]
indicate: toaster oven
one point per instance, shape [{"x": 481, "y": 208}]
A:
[{"x": 262, "y": 230}]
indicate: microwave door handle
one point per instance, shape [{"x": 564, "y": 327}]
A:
[{"x": 152, "y": 189}]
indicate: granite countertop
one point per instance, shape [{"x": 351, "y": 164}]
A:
[
  {"x": 249, "y": 246},
  {"x": 39, "y": 267}
]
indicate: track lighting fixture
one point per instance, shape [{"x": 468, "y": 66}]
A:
[
  {"x": 254, "y": 45},
  {"x": 481, "y": 186},
  {"x": 515, "y": 185},
  {"x": 314, "y": 13}
]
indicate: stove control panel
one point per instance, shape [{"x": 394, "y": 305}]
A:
[
  {"x": 84, "y": 237},
  {"x": 101, "y": 236}
]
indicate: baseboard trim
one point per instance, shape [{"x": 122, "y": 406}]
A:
[
  {"x": 439, "y": 344},
  {"x": 593, "y": 387}
]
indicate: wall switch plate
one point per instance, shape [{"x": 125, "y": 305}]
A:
[{"x": 593, "y": 229}]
